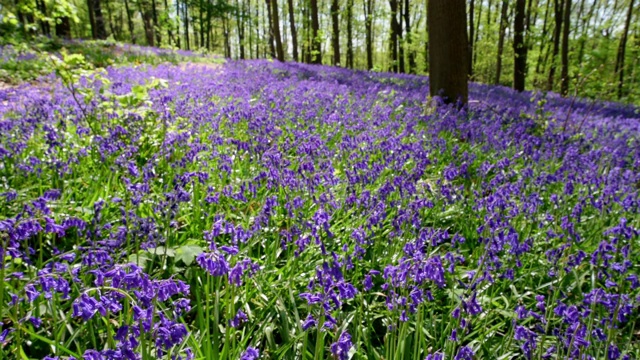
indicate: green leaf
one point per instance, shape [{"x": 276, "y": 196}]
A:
[{"x": 188, "y": 253}]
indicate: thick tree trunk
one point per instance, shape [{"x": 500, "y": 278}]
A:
[
  {"x": 448, "y": 50},
  {"x": 350, "y": 34},
  {"x": 471, "y": 36},
  {"x": 564, "y": 72},
  {"x": 294, "y": 34},
  {"x": 503, "y": 27},
  {"x": 619, "y": 69},
  {"x": 276, "y": 30},
  {"x": 519, "y": 47},
  {"x": 558, "y": 4},
  {"x": 368, "y": 23},
  {"x": 410, "y": 53},
  {"x": 316, "y": 55},
  {"x": 335, "y": 33}
]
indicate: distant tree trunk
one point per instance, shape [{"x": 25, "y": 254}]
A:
[
  {"x": 130, "y": 22},
  {"x": 393, "y": 39},
  {"x": 410, "y": 53},
  {"x": 503, "y": 27},
  {"x": 350, "y": 34},
  {"x": 539, "y": 67},
  {"x": 564, "y": 73},
  {"x": 294, "y": 35},
  {"x": 98, "y": 30},
  {"x": 306, "y": 43},
  {"x": 583, "y": 38},
  {"x": 426, "y": 42},
  {"x": 471, "y": 36},
  {"x": 240, "y": 16},
  {"x": 147, "y": 21},
  {"x": 201, "y": 20},
  {"x": 272, "y": 47},
  {"x": 519, "y": 47},
  {"x": 63, "y": 28},
  {"x": 110, "y": 19},
  {"x": 448, "y": 50},
  {"x": 556, "y": 42},
  {"x": 335, "y": 34},
  {"x": 401, "y": 67},
  {"x": 44, "y": 25},
  {"x": 178, "y": 24},
  {"x": 368, "y": 23},
  {"x": 619, "y": 68},
  {"x": 276, "y": 30},
  {"x": 156, "y": 27},
  {"x": 316, "y": 55},
  {"x": 186, "y": 27}
]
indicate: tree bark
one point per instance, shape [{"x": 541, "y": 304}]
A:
[
  {"x": 294, "y": 34},
  {"x": 564, "y": 73},
  {"x": 130, "y": 22},
  {"x": 471, "y": 36},
  {"x": 272, "y": 47},
  {"x": 519, "y": 47},
  {"x": 410, "y": 53},
  {"x": 350, "y": 34},
  {"x": 393, "y": 38},
  {"x": 368, "y": 23},
  {"x": 503, "y": 27},
  {"x": 335, "y": 34},
  {"x": 156, "y": 28},
  {"x": 276, "y": 30},
  {"x": 619, "y": 68},
  {"x": 558, "y": 4},
  {"x": 316, "y": 56},
  {"x": 448, "y": 50}
]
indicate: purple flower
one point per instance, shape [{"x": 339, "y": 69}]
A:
[
  {"x": 250, "y": 354},
  {"x": 340, "y": 349}
]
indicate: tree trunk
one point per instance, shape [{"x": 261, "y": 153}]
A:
[
  {"x": 410, "y": 53},
  {"x": 350, "y": 34},
  {"x": 63, "y": 28},
  {"x": 558, "y": 4},
  {"x": 474, "y": 56},
  {"x": 316, "y": 55},
  {"x": 619, "y": 69},
  {"x": 368, "y": 23},
  {"x": 156, "y": 28},
  {"x": 130, "y": 22},
  {"x": 448, "y": 50},
  {"x": 564, "y": 73},
  {"x": 240, "y": 16},
  {"x": 519, "y": 47},
  {"x": 294, "y": 35},
  {"x": 393, "y": 39},
  {"x": 401, "y": 68},
  {"x": 147, "y": 21},
  {"x": 276, "y": 30},
  {"x": 503, "y": 27},
  {"x": 471, "y": 37},
  {"x": 539, "y": 68},
  {"x": 272, "y": 47},
  {"x": 186, "y": 28},
  {"x": 335, "y": 34}
]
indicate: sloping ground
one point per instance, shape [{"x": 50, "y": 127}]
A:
[{"x": 304, "y": 210}]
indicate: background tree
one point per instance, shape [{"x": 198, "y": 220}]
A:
[{"x": 448, "y": 49}]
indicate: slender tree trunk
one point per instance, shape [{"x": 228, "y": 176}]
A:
[
  {"x": 350, "y": 34},
  {"x": 130, "y": 22},
  {"x": 474, "y": 55},
  {"x": 471, "y": 36},
  {"x": 411, "y": 56},
  {"x": 539, "y": 68},
  {"x": 335, "y": 34},
  {"x": 503, "y": 26},
  {"x": 401, "y": 66},
  {"x": 276, "y": 29},
  {"x": 315, "y": 29},
  {"x": 619, "y": 68},
  {"x": 519, "y": 47},
  {"x": 179, "y": 42},
  {"x": 156, "y": 27},
  {"x": 186, "y": 27},
  {"x": 272, "y": 47},
  {"x": 448, "y": 50},
  {"x": 240, "y": 16},
  {"x": 558, "y": 4},
  {"x": 564, "y": 73},
  {"x": 585, "y": 25},
  {"x": 63, "y": 28},
  {"x": 393, "y": 39},
  {"x": 294, "y": 34},
  {"x": 147, "y": 21},
  {"x": 426, "y": 42},
  {"x": 368, "y": 23},
  {"x": 110, "y": 18}
]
